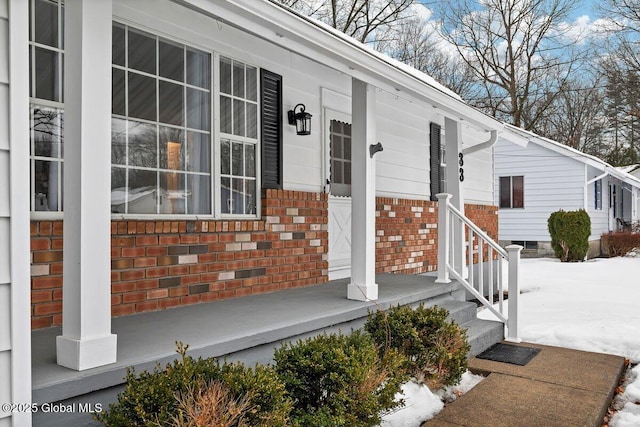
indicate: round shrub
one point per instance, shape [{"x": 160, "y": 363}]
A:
[
  {"x": 339, "y": 380},
  {"x": 570, "y": 233},
  {"x": 153, "y": 398},
  {"x": 435, "y": 349}
]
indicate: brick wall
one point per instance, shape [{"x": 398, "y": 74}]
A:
[
  {"x": 406, "y": 236},
  {"x": 161, "y": 264}
]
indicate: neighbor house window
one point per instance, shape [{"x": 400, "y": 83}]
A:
[
  {"x": 161, "y": 126},
  {"x": 46, "y": 48},
  {"x": 511, "y": 191},
  {"x": 597, "y": 186}
]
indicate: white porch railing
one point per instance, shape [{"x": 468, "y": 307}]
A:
[{"x": 457, "y": 259}]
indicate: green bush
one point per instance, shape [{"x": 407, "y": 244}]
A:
[
  {"x": 339, "y": 380},
  {"x": 152, "y": 398},
  {"x": 570, "y": 233},
  {"x": 434, "y": 348}
]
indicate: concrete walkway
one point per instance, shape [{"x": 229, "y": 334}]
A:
[{"x": 558, "y": 387}]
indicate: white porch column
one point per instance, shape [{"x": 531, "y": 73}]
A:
[
  {"x": 363, "y": 285},
  {"x": 453, "y": 147},
  {"x": 86, "y": 339}
]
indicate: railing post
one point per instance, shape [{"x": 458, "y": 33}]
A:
[
  {"x": 443, "y": 237},
  {"x": 514, "y": 293}
]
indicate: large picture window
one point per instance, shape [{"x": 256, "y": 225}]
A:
[
  {"x": 161, "y": 126},
  {"x": 46, "y": 48}
]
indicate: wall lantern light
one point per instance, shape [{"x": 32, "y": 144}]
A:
[{"x": 301, "y": 120}]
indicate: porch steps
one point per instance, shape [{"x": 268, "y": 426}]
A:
[{"x": 244, "y": 329}]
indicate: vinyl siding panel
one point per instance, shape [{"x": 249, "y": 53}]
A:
[
  {"x": 552, "y": 181},
  {"x": 5, "y": 386}
]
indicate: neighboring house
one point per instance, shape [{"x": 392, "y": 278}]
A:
[
  {"x": 544, "y": 176},
  {"x": 182, "y": 181}
]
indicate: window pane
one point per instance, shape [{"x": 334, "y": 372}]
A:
[
  {"x": 238, "y": 117},
  {"x": 225, "y": 75},
  {"x": 117, "y": 45},
  {"x": 142, "y": 97},
  {"x": 172, "y": 148},
  {"x": 336, "y": 147},
  {"x": 198, "y": 152},
  {"x": 118, "y": 190},
  {"x": 118, "y": 142},
  {"x": 198, "y": 69},
  {"x": 118, "y": 95},
  {"x": 142, "y": 52},
  {"x": 518, "y": 192},
  {"x": 225, "y": 115},
  {"x": 46, "y": 178},
  {"x": 225, "y": 195},
  {"x": 171, "y": 61},
  {"x": 238, "y": 80},
  {"x": 46, "y": 22},
  {"x": 252, "y": 120},
  {"x": 250, "y": 206},
  {"x": 252, "y": 84},
  {"x": 238, "y": 196},
  {"x": 198, "y": 194},
  {"x": 249, "y": 160},
  {"x": 505, "y": 192},
  {"x": 225, "y": 158},
  {"x": 142, "y": 145},
  {"x": 171, "y": 103},
  {"x": 172, "y": 193},
  {"x": 47, "y": 75},
  {"x": 347, "y": 172},
  {"x": 236, "y": 160},
  {"x": 347, "y": 148},
  {"x": 47, "y": 133},
  {"x": 198, "y": 111},
  {"x": 336, "y": 172},
  {"x": 142, "y": 193}
]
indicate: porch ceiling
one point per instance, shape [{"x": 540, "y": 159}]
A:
[{"x": 218, "y": 328}]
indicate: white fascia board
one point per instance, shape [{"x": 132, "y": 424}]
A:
[{"x": 311, "y": 39}]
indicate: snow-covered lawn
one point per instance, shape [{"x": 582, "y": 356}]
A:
[{"x": 591, "y": 306}]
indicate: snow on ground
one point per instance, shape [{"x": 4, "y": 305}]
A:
[
  {"x": 591, "y": 306},
  {"x": 421, "y": 404}
]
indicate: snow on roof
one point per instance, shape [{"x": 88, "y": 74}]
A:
[{"x": 575, "y": 154}]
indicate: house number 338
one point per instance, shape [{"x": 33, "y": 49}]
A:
[{"x": 461, "y": 163}]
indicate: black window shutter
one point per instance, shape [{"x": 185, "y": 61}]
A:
[
  {"x": 271, "y": 130},
  {"x": 434, "y": 159}
]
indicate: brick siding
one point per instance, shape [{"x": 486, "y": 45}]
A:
[{"x": 162, "y": 264}]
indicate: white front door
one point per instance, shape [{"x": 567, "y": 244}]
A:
[{"x": 338, "y": 178}]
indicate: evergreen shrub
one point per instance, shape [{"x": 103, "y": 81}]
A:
[
  {"x": 339, "y": 380},
  {"x": 570, "y": 233},
  {"x": 154, "y": 398},
  {"x": 435, "y": 349}
]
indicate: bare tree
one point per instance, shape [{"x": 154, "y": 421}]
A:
[
  {"x": 360, "y": 19},
  {"x": 516, "y": 52}
]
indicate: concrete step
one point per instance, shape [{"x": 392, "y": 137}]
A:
[{"x": 482, "y": 334}]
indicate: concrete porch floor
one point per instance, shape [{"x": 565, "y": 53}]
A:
[{"x": 248, "y": 327}]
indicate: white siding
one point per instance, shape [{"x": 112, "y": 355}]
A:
[
  {"x": 552, "y": 181},
  {"x": 599, "y": 217},
  {"x": 478, "y": 170}
]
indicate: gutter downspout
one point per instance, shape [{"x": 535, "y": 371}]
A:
[{"x": 487, "y": 144}]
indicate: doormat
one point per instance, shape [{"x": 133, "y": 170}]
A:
[{"x": 507, "y": 353}]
